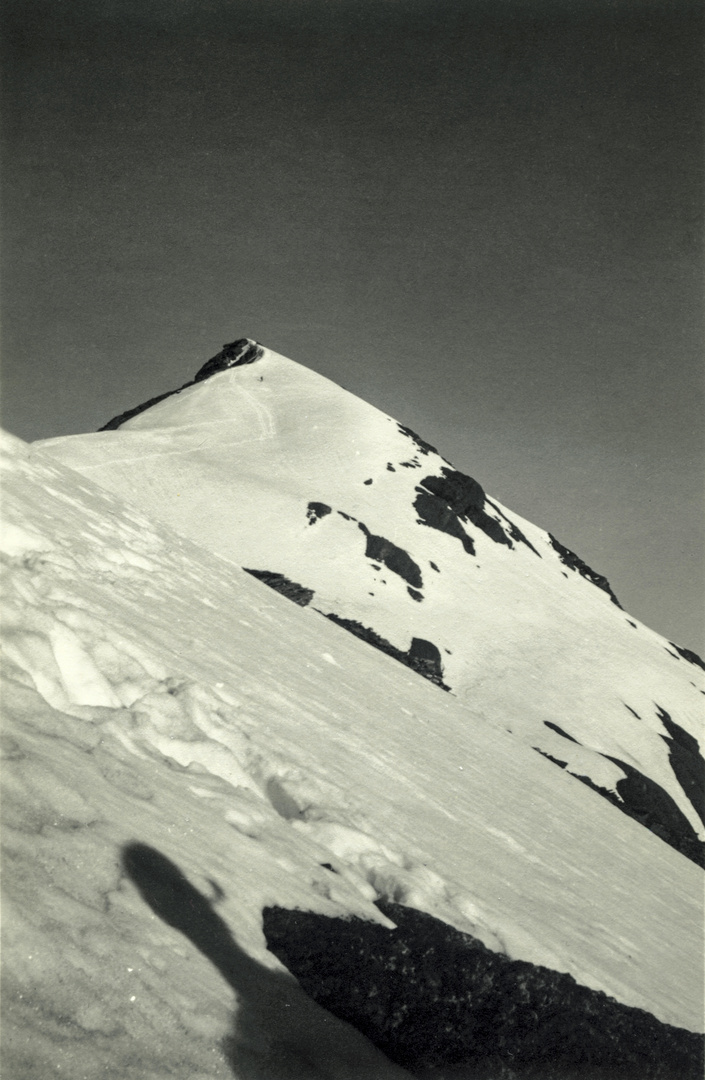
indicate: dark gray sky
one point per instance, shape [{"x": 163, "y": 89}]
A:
[{"x": 484, "y": 218}]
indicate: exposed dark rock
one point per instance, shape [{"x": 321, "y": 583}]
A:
[
  {"x": 570, "y": 559},
  {"x": 243, "y": 351},
  {"x": 689, "y": 655},
  {"x": 560, "y": 731},
  {"x": 435, "y": 512},
  {"x": 394, "y": 558},
  {"x": 414, "y": 594},
  {"x": 316, "y": 510},
  {"x": 430, "y": 996},
  {"x": 236, "y": 354},
  {"x": 686, "y": 761},
  {"x": 514, "y": 530},
  {"x": 291, "y": 589},
  {"x": 367, "y": 481},
  {"x": 421, "y": 444},
  {"x": 641, "y": 798},
  {"x": 422, "y": 656},
  {"x": 555, "y": 760},
  {"x": 348, "y": 517},
  {"x": 456, "y": 497},
  {"x": 390, "y": 467}
]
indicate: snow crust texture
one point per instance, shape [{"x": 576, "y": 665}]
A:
[{"x": 355, "y": 516}]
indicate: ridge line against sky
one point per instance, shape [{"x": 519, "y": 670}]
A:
[{"x": 484, "y": 219}]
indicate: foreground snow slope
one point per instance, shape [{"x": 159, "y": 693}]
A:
[
  {"x": 156, "y": 693},
  {"x": 273, "y": 466}
]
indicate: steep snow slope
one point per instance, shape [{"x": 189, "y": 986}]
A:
[
  {"x": 159, "y": 699},
  {"x": 338, "y": 506}
]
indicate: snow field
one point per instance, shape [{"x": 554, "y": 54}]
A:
[{"x": 160, "y": 695}]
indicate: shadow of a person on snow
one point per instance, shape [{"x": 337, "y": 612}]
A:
[{"x": 279, "y": 1032}]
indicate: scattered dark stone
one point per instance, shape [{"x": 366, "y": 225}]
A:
[
  {"x": 376, "y": 567},
  {"x": 414, "y": 594},
  {"x": 560, "y": 731},
  {"x": 632, "y": 623},
  {"x": 456, "y": 497},
  {"x": 394, "y": 558},
  {"x": 348, "y": 517},
  {"x": 327, "y": 866},
  {"x": 390, "y": 467},
  {"x": 367, "y": 481},
  {"x": 413, "y": 464},
  {"x": 544, "y": 753},
  {"x": 421, "y": 444},
  {"x": 316, "y": 510},
  {"x": 686, "y": 761},
  {"x": 434, "y": 567},
  {"x": 430, "y": 996},
  {"x": 632, "y": 711},
  {"x": 689, "y": 655},
  {"x": 570, "y": 559},
  {"x": 243, "y": 351},
  {"x": 422, "y": 656},
  {"x": 291, "y": 589}
]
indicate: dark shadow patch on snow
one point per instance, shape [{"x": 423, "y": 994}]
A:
[
  {"x": 242, "y": 351},
  {"x": 317, "y": 510},
  {"x": 689, "y": 655},
  {"x": 686, "y": 761},
  {"x": 421, "y": 444},
  {"x": 430, "y": 996},
  {"x": 278, "y": 1030},
  {"x": 394, "y": 558},
  {"x": 641, "y": 798},
  {"x": 560, "y": 731},
  {"x": 570, "y": 559},
  {"x": 281, "y": 584},
  {"x": 422, "y": 656}
]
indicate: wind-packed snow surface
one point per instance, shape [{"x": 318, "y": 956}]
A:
[
  {"x": 189, "y": 757},
  {"x": 346, "y": 511}
]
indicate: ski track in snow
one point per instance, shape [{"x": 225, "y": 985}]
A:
[{"x": 157, "y": 693}]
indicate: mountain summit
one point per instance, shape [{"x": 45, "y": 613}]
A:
[{"x": 347, "y": 512}]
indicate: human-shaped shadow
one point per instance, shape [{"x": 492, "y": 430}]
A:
[{"x": 279, "y": 1033}]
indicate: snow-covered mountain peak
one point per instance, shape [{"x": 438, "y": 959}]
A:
[{"x": 352, "y": 515}]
